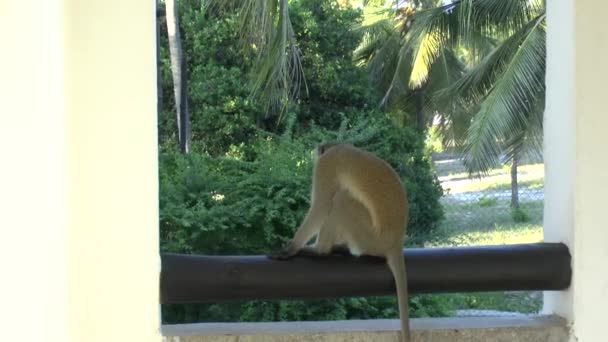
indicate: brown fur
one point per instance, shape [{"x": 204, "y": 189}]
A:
[{"x": 357, "y": 200}]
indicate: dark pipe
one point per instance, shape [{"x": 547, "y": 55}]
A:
[{"x": 198, "y": 278}]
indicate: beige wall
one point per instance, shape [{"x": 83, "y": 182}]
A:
[
  {"x": 79, "y": 178},
  {"x": 576, "y": 150},
  {"x": 591, "y": 182},
  {"x": 33, "y": 159},
  {"x": 111, "y": 101}
]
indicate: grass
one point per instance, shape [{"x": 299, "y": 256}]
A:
[
  {"x": 529, "y": 176},
  {"x": 525, "y": 302},
  {"x": 488, "y": 220}
]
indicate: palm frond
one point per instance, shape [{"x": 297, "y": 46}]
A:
[
  {"x": 476, "y": 83},
  {"x": 454, "y": 114},
  {"x": 429, "y": 49},
  {"x": 279, "y": 72},
  {"x": 375, "y": 37},
  {"x": 530, "y": 140},
  {"x": 510, "y": 83},
  {"x": 379, "y": 50},
  {"x": 469, "y": 23},
  {"x": 399, "y": 83},
  {"x": 265, "y": 25},
  {"x": 446, "y": 70}
]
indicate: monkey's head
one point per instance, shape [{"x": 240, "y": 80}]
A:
[{"x": 324, "y": 147}]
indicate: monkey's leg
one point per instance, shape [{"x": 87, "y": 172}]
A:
[
  {"x": 307, "y": 230},
  {"x": 325, "y": 243},
  {"x": 321, "y": 205},
  {"x": 322, "y": 246},
  {"x": 326, "y": 238},
  {"x": 324, "y": 186}
]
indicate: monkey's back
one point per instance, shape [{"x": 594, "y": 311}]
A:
[{"x": 373, "y": 182}]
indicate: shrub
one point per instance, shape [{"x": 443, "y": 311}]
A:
[
  {"x": 221, "y": 109},
  {"x": 231, "y": 205},
  {"x": 245, "y": 187},
  {"x": 520, "y": 215},
  {"x": 485, "y": 202}
]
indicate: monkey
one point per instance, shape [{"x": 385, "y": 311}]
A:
[{"x": 357, "y": 201}]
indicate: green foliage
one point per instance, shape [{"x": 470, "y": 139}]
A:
[
  {"x": 221, "y": 109},
  {"x": 428, "y": 306},
  {"x": 520, "y": 215},
  {"x": 485, "y": 202},
  {"x": 298, "y": 310},
  {"x": 336, "y": 87},
  {"x": 434, "y": 141},
  {"x": 222, "y": 112},
  {"x": 229, "y": 205},
  {"x": 266, "y": 26},
  {"x": 245, "y": 186},
  {"x": 200, "y": 194},
  {"x": 480, "y": 65},
  {"x": 226, "y": 206},
  {"x": 525, "y": 301}
]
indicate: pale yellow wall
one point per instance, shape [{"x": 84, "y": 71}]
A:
[
  {"x": 113, "y": 236},
  {"x": 78, "y": 181},
  {"x": 33, "y": 165},
  {"x": 576, "y": 81},
  {"x": 591, "y": 184}
]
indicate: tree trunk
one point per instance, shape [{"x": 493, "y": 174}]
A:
[
  {"x": 178, "y": 70},
  {"x": 159, "y": 88},
  {"x": 514, "y": 185},
  {"x": 420, "y": 121}
]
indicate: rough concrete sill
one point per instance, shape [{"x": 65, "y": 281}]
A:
[{"x": 469, "y": 329}]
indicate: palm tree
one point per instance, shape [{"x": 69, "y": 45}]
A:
[
  {"x": 178, "y": 70},
  {"x": 398, "y": 69},
  {"x": 506, "y": 39},
  {"x": 503, "y": 86},
  {"x": 266, "y": 27},
  {"x": 417, "y": 55}
]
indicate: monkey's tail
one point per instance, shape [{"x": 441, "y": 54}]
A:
[{"x": 397, "y": 265}]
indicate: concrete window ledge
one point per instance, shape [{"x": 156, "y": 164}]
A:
[{"x": 469, "y": 329}]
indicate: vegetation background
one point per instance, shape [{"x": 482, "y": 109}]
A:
[{"x": 243, "y": 187}]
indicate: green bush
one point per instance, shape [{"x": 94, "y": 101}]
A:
[
  {"x": 221, "y": 109},
  {"x": 230, "y": 205},
  {"x": 336, "y": 87},
  {"x": 270, "y": 194},
  {"x": 520, "y": 215},
  {"x": 485, "y": 202},
  {"x": 245, "y": 187},
  {"x": 224, "y": 206}
]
